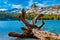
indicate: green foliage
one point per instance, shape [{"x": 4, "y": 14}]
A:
[
  {"x": 6, "y": 16},
  {"x": 30, "y": 16},
  {"x": 45, "y": 17}
]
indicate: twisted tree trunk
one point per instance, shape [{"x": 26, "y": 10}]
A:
[
  {"x": 33, "y": 31},
  {"x": 27, "y": 31},
  {"x": 44, "y": 35}
]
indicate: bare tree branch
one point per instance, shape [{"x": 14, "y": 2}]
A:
[
  {"x": 32, "y": 25},
  {"x": 22, "y": 18},
  {"x": 42, "y": 23},
  {"x": 23, "y": 13},
  {"x": 35, "y": 19},
  {"x": 23, "y": 28}
]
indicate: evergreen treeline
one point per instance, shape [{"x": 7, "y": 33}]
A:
[{"x": 7, "y": 16}]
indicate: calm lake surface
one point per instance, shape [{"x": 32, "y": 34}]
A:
[{"x": 14, "y": 26}]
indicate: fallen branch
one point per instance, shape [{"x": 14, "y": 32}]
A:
[{"x": 34, "y": 31}]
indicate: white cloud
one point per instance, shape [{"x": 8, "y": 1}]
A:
[
  {"x": 27, "y": 6},
  {"x": 49, "y": 2},
  {"x": 42, "y": 5},
  {"x": 3, "y": 9},
  {"x": 16, "y": 6},
  {"x": 9, "y": 4},
  {"x": 36, "y": 2},
  {"x": 30, "y": 2},
  {"x": 5, "y": 2}
]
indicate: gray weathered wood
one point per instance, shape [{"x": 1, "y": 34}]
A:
[{"x": 44, "y": 35}]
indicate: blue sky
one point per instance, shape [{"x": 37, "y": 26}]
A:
[{"x": 9, "y": 4}]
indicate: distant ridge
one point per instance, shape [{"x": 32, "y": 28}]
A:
[{"x": 31, "y": 9}]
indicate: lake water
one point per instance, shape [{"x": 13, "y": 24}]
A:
[{"x": 14, "y": 26}]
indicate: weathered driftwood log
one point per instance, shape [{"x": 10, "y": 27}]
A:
[
  {"x": 27, "y": 34},
  {"x": 33, "y": 31},
  {"x": 27, "y": 31},
  {"x": 44, "y": 35}
]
